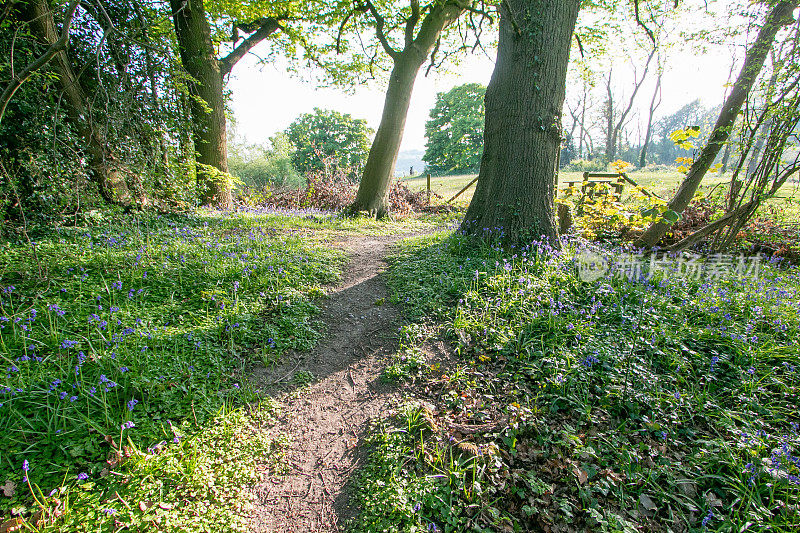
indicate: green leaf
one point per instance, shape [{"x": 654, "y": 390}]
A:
[{"x": 671, "y": 216}]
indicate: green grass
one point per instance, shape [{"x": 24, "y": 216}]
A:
[
  {"x": 662, "y": 182},
  {"x": 669, "y": 404},
  {"x": 124, "y": 344}
]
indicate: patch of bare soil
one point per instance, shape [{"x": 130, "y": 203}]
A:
[{"x": 326, "y": 421}]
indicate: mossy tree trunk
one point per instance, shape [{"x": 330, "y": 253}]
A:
[
  {"x": 207, "y": 103},
  {"x": 515, "y": 194}
]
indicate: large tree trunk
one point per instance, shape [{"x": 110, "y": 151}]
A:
[
  {"x": 373, "y": 192},
  {"x": 516, "y": 185},
  {"x": 207, "y": 103},
  {"x": 779, "y": 16},
  {"x": 104, "y": 167}
]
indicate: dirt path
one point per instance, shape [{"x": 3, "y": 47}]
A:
[{"x": 326, "y": 422}]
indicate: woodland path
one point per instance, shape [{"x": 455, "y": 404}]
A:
[{"x": 327, "y": 421}]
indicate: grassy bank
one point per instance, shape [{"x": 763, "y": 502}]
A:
[
  {"x": 124, "y": 343},
  {"x": 654, "y": 404}
]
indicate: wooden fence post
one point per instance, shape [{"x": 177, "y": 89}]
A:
[{"x": 429, "y": 188}]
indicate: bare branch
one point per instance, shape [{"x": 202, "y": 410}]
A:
[
  {"x": 484, "y": 14},
  {"x": 345, "y": 20},
  {"x": 433, "y": 56},
  {"x": 580, "y": 45},
  {"x": 380, "y": 24},
  {"x": 637, "y": 86},
  {"x": 61, "y": 44}
]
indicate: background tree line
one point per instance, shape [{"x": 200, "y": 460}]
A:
[{"x": 125, "y": 101}]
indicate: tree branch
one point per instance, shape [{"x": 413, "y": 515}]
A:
[
  {"x": 580, "y": 45},
  {"x": 267, "y": 27},
  {"x": 380, "y": 23},
  {"x": 61, "y": 44},
  {"x": 481, "y": 12},
  {"x": 433, "y": 56},
  {"x": 411, "y": 23},
  {"x": 637, "y": 85},
  {"x": 345, "y": 20},
  {"x": 642, "y": 24}
]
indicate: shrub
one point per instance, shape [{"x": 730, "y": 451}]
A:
[
  {"x": 586, "y": 165},
  {"x": 653, "y": 167},
  {"x": 259, "y": 166}
]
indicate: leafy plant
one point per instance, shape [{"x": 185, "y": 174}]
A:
[
  {"x": 123, "y": 343},
  {"x": 628, "y": 403}
]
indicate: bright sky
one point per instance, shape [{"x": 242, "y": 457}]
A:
[{"x": 265, "y": 99}]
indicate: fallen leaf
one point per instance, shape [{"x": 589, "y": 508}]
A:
[
  {"x": 144, "y": 506},
  {"x": 647, "y": 503},
  {"x": 110, "y": 440},
  {"x": 15, "y": 524},
  {"x": 581, "y": 474},
  {"x": 688, "y": 488},
  {"x": 9, "y": 489},
  {"x": 613, "y": 476},
  {"x": 713, "y": 500}
]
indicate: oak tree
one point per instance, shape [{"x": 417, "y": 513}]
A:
[
  {"x": 514, "y": 197},
  {"x": 407, "y": 37},
  {"x": 455, "y": 130}
]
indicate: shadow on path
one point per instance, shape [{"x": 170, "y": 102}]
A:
[{"x": 326, "y": 422}]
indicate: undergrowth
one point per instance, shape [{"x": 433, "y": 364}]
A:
[
  {"x": 658, "y": 404},
  {"x": 123, "y": 343}
]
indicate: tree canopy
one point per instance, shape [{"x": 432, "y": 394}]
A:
[
  {"x": 455, "y": 130},
  {"x": 328, "y": 141}
]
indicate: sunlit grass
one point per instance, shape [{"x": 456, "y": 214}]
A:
[
  {"x": 124, "y": 344},
  {"x": 620, "y": 405}
]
